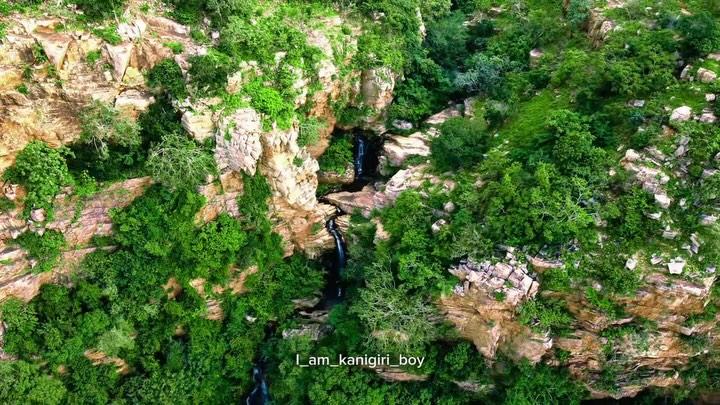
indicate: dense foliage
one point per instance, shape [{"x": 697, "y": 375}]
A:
[{"x": 180, "y": 302}]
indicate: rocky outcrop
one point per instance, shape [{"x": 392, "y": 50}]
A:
[
  {"x": 62, "y": 86},
  {"x": 398, "y": 148},
  {"x": 483, "y": 307},
  {"x": 381, "y": 195}
]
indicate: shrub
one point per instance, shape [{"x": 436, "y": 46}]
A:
[
  {"x": 484, "y": 74},
  {"x": 338, "y": 156},
  {"x": 175, "y": 47},
  {"x": 461, "y": 144},
  {"x": 209, "y": 73},
  {"x": 103, "y": 127},
  {"x": 271, "y": 103},
  {"x": 178, "y": 163},
  {"x": 168, "y": 76},
  {"x": 309, "y": 131},
  {"x": 42, "y": 170},
  {"x": 108, "y": 34},
  {"x": 44, "y": 248},
  {"x": 93, "y": 56},
  {"x": 543, "y": 315},
  {"x": 578, "y": 12},
  {"x": 446, "y": 39},
  {"x": 701, "y": 33},
  {"x": 96, "y": 10}
]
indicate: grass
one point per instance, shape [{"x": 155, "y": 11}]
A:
[{"x": 529, "y": 117}]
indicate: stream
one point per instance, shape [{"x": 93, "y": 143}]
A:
[{"x": 365, "y": 165}]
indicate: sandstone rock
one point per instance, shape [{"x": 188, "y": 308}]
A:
[
  {"x": 469, "y": 106},
  {"x": 55, "y": 45},
  {"x": 402, "y": 125},
  {"x": 535, "y": 56},
  {"x": 663, "y": 200},
  {"x": 685, "y": 73},
  {"x": 706, "y": 76},
  {"x": 683, "y": 113},
  {"x": 438, "y": 225},
  {"x": 398, "y": 148},
  {"x": 631, "y": 155},
  {"x": 132, "y": 102},
  {"x": 377, "y": 87},
  {"x": 237, "y": 141},
  {"x": 708, "y": 220},
  {"x": 670, "y": 234},
  {"x": 120, "y": 58},
  {"x": 707, "y": 117},
  {"x": 444, "y": 115},
  {"x": 676, "y": 266},
  {"x": 710, "y": 97},
  {"x": 165, "y": 27},
  {"x": 199, "y": 124},
  {"x": 37, "y": 215},
  {"x": 346, "y": 177}
]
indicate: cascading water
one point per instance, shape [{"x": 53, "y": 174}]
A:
[
  {"x": 361, "y": 147},
  {"x": 340, "y": 259},
  {"x": 260, "y": 395}
]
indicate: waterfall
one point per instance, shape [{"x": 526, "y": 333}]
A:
[
  {"x": 339, "y": 251},
  {"x": 260, "y": 395},
  {"x": 360, "y": 152}
]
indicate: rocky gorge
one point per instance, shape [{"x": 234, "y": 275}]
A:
[{"x": 504, "y": 299}]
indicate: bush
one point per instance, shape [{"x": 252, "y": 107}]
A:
[
  {"x": 168, "y": 76},
  {"x": 102, "y": 128},
  {"x": 179, "y": 163},
  {"x": 484, "y": 74},
  {"x": 446, "y": 39},
  {"x": 309, "y": 131},
  {"x": 42, "y": 170},
  {"x": 108, "y": 34},
  {"x": 578, "y": 12},
  {"x": 44, "y": 248},
  {"x": 96, "y": 10},
  {"x": 701, "y": 33},
  {"x": 461, "y": 144},
  {"x": 338, "y": 156},
  {"x": 209, "y": 73}
]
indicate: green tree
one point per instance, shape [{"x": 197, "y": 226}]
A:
[
  {"x": 178, "y": 162},
  {"x": 43, "y": 171}
]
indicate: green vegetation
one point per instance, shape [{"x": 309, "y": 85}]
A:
[
  {"x": 537, "y": 169},
  {"x": 108, "y": 34},
  {"x": 45, "y": 248},
  {"x": 42, "y": 170},
  {"x": 96, "y": 10},
  {"x": 178, "y": 162},
  {"x": 93, "y": 56},
  {"x": 338, "y": 156},
  {"x": 167, "y": 76}
]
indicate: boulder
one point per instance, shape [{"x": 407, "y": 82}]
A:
[
  {"x": 676, "y": 266},
  {"x": 706, "y": 75},
  {"x": 710, "y": 97},
  {"x": 54, "y": 44},
  {"x": 681, "y": 114},
  {"x": 199, "y": 123},
  {"x": 398, "y": 148},
  {"x": 120, "y": 58},
  {"x": 402, "y": 125},
  {"x": 132, "y": 102},
  {"x": 663, "y": 200},
  {"x": 444, "y": 115},
  {"x": 237, "y": 142},
  {"x": 535, "y": 56},
  {"x": 631, "y": 263},
  {"x": 707, "y": 117},
  {"x": 708, "y": 220}
]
